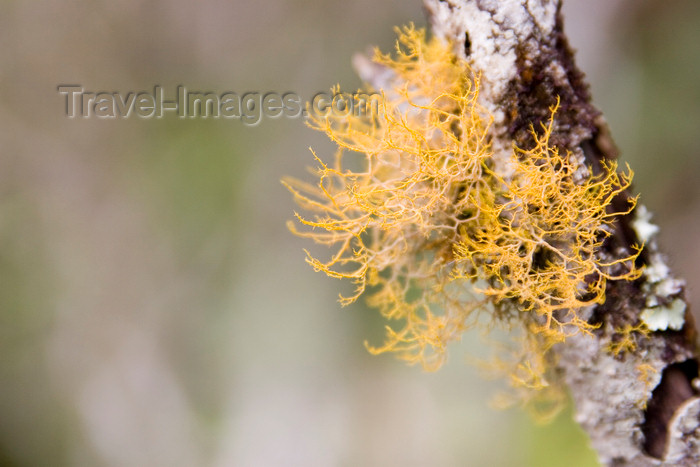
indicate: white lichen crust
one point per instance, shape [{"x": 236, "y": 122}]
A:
[
  {"x": 609, "y": 395},
  {"x": 503, "y": 38},
  {"x": 495, "y": 29}
]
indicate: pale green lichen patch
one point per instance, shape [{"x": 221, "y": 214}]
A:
[
  {"x": 643, "y": 227},
  {"x": 664, "y": 318},
  {"x": 660, "y": 287}
]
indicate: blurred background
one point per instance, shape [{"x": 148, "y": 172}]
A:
[{"x": 154, "y": 309}]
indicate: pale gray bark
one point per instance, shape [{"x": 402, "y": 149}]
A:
[{"x": 521, "y": 52}]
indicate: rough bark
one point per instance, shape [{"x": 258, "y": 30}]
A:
[{"x": 640, "y": 408}]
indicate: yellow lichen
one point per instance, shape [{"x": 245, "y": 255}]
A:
[
  {"x": 625, "y": 339},
  {"x": 650, "y": 377},
  {"x": 422, "y": 216}
]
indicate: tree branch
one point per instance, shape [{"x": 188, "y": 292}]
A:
[{"x": 640, "y": 408}]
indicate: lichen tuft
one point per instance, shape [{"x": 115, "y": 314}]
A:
[{"x": 438, "y": 232}]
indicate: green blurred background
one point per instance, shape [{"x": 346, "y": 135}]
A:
[{"x": 154, "y": 309}]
